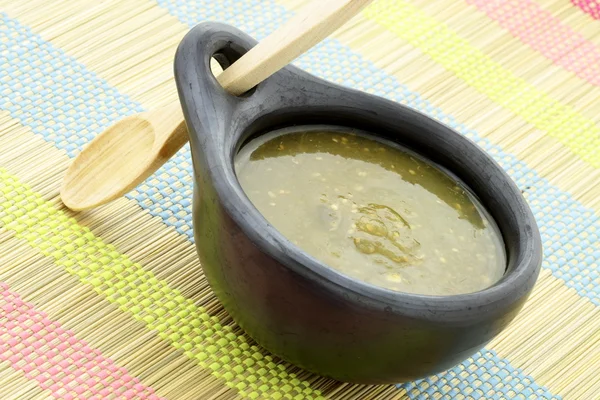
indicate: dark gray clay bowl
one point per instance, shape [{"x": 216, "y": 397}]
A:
[{"x": 296, "y": 307}]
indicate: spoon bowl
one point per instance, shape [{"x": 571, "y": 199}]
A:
[{"x": 122, "y": 157}]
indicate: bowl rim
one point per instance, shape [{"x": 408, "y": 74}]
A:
[{"x": 293, "y": 257}]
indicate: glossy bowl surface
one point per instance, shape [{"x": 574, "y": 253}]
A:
[{"x": 296, "y": 307}]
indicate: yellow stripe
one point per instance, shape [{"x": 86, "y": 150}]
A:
[
  {"x": 38, "y": 280},
  {"x": 229, "y": 356},
  {"x": 478, "y": 70}
]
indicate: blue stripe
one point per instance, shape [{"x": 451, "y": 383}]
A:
[
  {"x": 61, "y": 100},
  {"x": 40, "y": 85},
  {"x": 485, "y": 376}
]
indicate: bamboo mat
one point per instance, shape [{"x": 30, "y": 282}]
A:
[{"x": 112, "y": 303}]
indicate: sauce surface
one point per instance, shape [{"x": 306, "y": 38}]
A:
[{"x": 378, "y": 213}]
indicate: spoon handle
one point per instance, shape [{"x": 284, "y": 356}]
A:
[{"x": 307, "y": 28}]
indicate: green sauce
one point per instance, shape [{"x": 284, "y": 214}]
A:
[{"x": 378, "y": 213}]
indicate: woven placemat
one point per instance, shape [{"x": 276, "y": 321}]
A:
[{"x": 112, "y": 303}]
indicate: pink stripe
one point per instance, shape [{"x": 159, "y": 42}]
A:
[
  {"x": 546, "y": 34},
  {"x": 56, "y": 359},
  {"x": 591, "y": 7}
]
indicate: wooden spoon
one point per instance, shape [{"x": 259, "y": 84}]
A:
[{"x": 128, "y": 152}]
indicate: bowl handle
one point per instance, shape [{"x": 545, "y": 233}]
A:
[{"x": 205, "y": 103}]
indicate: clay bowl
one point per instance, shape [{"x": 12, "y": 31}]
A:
[{"x": 290, "y": 303}]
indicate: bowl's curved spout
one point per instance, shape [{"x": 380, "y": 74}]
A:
[{"x": 296, "y": 307}]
